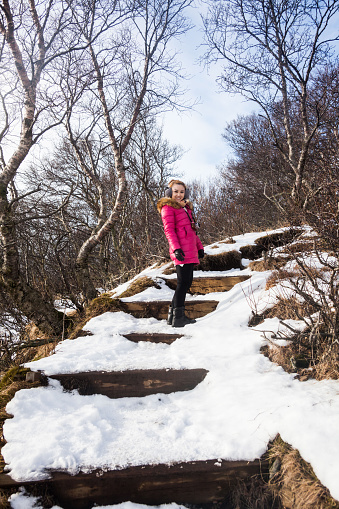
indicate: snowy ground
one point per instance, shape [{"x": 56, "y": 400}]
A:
[{"x": 243, "y": 402}]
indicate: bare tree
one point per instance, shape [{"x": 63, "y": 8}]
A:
[
  {"x": 127, "y": 69},
  {"x": 273, "y": 51},
  {"x": 33, "y": 35}
]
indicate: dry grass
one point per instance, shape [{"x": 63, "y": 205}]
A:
[
  {"x": 227, "y": 241},
  {"x": 170, "y": 270},
  {"x": 269, "y": 263},
  {"x": 327, "y": 367},
  {"x": 252, "y": 252},
  {"x": 221, "y": 261},
  {"x": 214, "y": 247},
  {"x": 299, "y": 247},
  {"x": 280, "y": 275},
  {"x": 295, "y": 482},
  {"x": 11, "y": 382},
  {"x": 289, "y": 308},
  {"x": 139, "y": 285},
  {"x": 254, "y": 493},
  {"x": 263, "y": 244},
  {"x": 4, "y": 504},
  {"x": 277, "y": 239}
]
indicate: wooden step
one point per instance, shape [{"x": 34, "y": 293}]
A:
[
  {"x": 196, "y": 482},
  {"x": 159, "y": 309},
  {"x": 153, "y": 338},
  {"x": 132, "y": 383},
  {"x": 204, "y": 285}
]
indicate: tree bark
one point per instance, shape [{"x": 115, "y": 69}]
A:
[{"x": 28, "y": 300}]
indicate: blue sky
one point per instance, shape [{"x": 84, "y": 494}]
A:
[{"x": 199, "y": 131}]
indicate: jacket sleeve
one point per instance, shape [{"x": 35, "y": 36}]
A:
[
  {"x": 168, "y": 219},
  {"x": 199, "y": 243}
]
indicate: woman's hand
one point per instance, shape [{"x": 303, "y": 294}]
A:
[
  {"x": 201, "y": 253},
  {"x": 179, "y": 254}
]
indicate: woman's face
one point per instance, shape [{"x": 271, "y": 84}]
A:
[{"x": 178, "y": 192}]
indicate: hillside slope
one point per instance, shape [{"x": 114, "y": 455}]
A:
[{"x": 244, "y": 401}]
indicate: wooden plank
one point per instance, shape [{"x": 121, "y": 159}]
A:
[
  {"x": 153, "y": 337},
  {"x": 204, "y": 285},
  {"x": 196, "y": 482},
  {"x": 132, "y": 383},
  {"x": 159, "y": 309}
]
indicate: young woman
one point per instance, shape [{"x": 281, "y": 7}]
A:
[{"x": 184, "y": 245}]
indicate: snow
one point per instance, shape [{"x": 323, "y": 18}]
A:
[
  {"x": 22, "y": 500},
  {"x": 243, "y": 402}
]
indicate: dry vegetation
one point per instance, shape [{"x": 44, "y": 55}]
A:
[
  {"x": 139, "y": 285},
  {"x": 269, "y": 263},
  {"x": 314, "y": 352},
  {"x": 11, "y": 382},
  {"x": 267, "y": 242},
  {"x": 222, "y": 261},
  {"x": 102, "y": 304},
  {"x": 294, "y": 481}
]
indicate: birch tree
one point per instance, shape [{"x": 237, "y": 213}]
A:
[
  {"x": 272, "y": 52},
  {"x": 133, "y": 76},
  {"x": 32, "y": 38}
]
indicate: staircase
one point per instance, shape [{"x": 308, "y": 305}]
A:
[{"x": 196, "y": 482}]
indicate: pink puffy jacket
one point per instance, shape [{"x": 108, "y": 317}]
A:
[{"x": 178, "y": 230}]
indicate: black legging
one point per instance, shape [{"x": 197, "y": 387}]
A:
[{"x": 184, "y": 281}]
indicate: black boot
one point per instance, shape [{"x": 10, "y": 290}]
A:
[
  {"x": 170, "y": 315},
  {"x": 179, "y": 318}
]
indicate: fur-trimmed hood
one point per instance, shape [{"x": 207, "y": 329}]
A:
[{"x": 172, "y": 203}]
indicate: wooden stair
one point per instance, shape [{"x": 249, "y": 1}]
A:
[
  {"x": 153, "y": 337},
  {"x": 132, "y": 383},
  {"x": 197, "y": 482},
  {"x": 159, "y": 309},
  {"x": 204, "y": 285}
]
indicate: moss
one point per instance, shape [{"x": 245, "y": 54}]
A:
[
  {"x": 13, "y": 374},
  {"x": 221, "y": 261},
  {"x": 139, "y": 285},
  {"x": 102, "y": 304}
]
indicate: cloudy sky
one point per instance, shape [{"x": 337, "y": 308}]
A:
[{"x": 199, "y": 132}]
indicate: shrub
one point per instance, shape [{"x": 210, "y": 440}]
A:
[{"x": 222, "y": 261}]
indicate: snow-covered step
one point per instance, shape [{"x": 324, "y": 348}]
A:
[
  {"x": 159, "y": 309},
  {"x": 204, "y": 285},
  {"x": 196, "y": 482},
  {"x": 132, "y": 383},
  {"x": 136, "y": 337}
]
